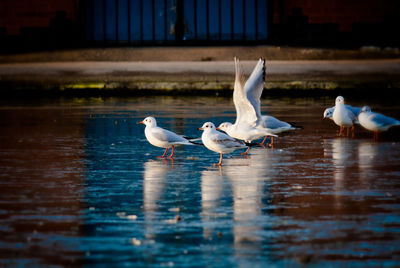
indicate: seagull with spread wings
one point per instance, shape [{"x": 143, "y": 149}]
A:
[{"x": 250, "y": 124}]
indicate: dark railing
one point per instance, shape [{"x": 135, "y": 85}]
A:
[{"x": 176, "y": 21}]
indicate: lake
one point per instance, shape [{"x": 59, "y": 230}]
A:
[{"x": 80, "y": 185}]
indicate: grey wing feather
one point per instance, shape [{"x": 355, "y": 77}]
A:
[
  {"x": 222, "y": 138},
  {"x": 167, "y": 136},
  {"x": 384, "y": 120},
  {"x": 355, "y": 110}
]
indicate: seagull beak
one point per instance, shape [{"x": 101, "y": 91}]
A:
[
  {"x": 201, "y": 128},
  {"x": 141, "y": 122},
  {"x": 217, "y": 128}
]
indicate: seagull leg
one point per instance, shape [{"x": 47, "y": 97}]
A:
[
  {"x": 272, "y": 140},
  {"x": 245, "y": 153},
  {"x": 348, "y": 132},
  {"x": 220, "y": 161},
  {"x": 262, "y": 143},
  {"x": 352, "y": 131},
  {"x": 172, "y": 153},
  {"x": 165, "y": 152}
]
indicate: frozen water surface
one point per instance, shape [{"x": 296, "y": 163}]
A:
[{"x": 80, "y": 185}]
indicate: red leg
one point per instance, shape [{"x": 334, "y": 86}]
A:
[
  {"x": 272, "y": 140},
  {"x": 262, "y": 143},
  {"x": 172, "y": 153},
  {"x": 348, "y": 132},
  {"x": 352, "y": 131},
  {"x": 245, "y": 153},
  {"x": 220, "y": 161},
  {"x": 165, "y": 152}
]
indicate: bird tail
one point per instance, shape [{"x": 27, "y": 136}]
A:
[
  {"x": 196, "y": 143},
  {"x": 295, "y": 126}
]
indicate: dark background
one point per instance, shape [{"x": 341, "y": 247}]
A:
[{"x": 43, "y": 24}]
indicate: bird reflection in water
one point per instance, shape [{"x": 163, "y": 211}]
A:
[
  {"x": 212, "y": 183},
  {"x": 155, "y": 173},
  {"x": 245, "y": 178},
  {"x": 344, "y": 159}
]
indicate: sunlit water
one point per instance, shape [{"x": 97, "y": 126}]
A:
[{"x": 80, "y": 185}]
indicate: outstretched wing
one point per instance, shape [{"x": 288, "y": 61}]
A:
[
  {"x": 254, "y": 87},
  {"x": 245, "y": 112}
]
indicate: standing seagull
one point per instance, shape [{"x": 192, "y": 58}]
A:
[
  {"x": 246, "y": 98},
  {"x": 376, "y": 122},
  {"x": 328, "y": 113},
  {"x": 219, "y": 142},
  {"x": 343, "y": 117},
  {"x": 161, "y": 137}
]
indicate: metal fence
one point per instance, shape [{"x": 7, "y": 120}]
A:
[{"x": 173, "y": 21}]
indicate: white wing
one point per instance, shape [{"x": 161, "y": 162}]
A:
[
  {"x": 245, "y": 112},
  {"x": 254, "y": 88},
  {"x": 227, "y": 141},
  {"x": 168, "y": 136},
  {"x": 272, "y": 123},
  {"x": 355, "y": 110},
  {"x": 351, "y": 115},
  {"x": 383, "y": 120}
]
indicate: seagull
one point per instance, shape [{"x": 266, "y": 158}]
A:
[
  {"x": 244, "y": 132},
  {"x": 161, "y": 137},
  {"x": 275, "y": 126},
  {"x": 219, "y": 142},
  {"x": 376, "y": 122},
  {"x": 328, "y": 113},
  {"x": 343, "y": 117},
  {"x": 246, "y": 98}
]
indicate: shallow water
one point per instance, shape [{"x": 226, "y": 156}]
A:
[{"x": 80, "y": 185}]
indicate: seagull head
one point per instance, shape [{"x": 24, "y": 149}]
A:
[
  {"x": 366, "y": 109},
  {"x": 208, "y": 126},
  {"x": 328, "y": 113},
  {"x": 339, "y": 100},
  {"x": 224, "y": 126},
  {"x": 149, "y": 121}
]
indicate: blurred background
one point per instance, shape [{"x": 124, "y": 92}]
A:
[{"x": 28, "y": 25}]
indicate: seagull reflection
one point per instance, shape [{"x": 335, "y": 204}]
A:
[
  {"x": 344, "y": 157},
  {"x": 155, "y": 172},
  {"x": 212, "y": 182},
  {"x": 246, "y": 177}
]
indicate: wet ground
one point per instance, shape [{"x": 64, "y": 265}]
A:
[{"x": 80, "y": 185}]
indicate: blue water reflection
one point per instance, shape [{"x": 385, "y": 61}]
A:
[{"x": 96, "y": 194}]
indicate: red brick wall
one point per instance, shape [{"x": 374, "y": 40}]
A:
[
  {"x": 15, "y": 14},
  {"x": 342, "y": 12}
]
